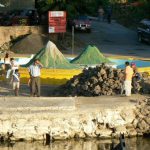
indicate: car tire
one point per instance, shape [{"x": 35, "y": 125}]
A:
[{"x": 140, "y": 39}]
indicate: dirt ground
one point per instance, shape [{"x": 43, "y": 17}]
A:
[
  {"x": 47, "y": 90},
  {"x": 6, "y": 90}
]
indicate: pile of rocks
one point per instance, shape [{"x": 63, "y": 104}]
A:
[
  {"x": 142, "y": 121},
  {"x": 101, "y": 80}
]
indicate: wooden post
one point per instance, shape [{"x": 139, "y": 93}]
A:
[{"x": 72, "y": 40}]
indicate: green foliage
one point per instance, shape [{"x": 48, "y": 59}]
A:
[
  {"x": 72, "y": 11},
  {"x": 73, "y": 7},
  {"x": 130, "y": 15}
]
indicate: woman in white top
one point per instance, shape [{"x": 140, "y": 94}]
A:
[
  {"x": 7, "y": 62},
  {"x": 13, "y": 66}
]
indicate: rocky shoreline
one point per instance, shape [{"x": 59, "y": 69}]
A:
[
  {"x": 142, "y": 119},
  {"x": 103, "y": 123}
]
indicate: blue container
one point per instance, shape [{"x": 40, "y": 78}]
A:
[{"x": 121, "y": 62}]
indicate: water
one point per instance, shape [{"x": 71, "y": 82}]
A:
[{"x": 131, "y": 144}]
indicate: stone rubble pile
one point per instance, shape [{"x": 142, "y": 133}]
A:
[
  {"x": 101, "y": 80},
  {"x": 142, "y": 121}
]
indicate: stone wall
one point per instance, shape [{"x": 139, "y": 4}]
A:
[
  {"x": 99, "y": 123},
  {"x": 12, "y": 32},
  {"x": 103, "y": 124}
]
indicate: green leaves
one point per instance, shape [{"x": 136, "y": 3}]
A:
[{"x": 73, "y": 7}]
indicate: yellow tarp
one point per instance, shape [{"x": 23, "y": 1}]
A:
[
  {"x": 50, "y": 76},
  {"x": 56, "y": 76}
]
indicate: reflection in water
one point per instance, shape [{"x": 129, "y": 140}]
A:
[{"x": 131, "y": 144}]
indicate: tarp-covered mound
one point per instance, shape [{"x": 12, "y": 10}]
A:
[
  {"x": 51, "y": 57},
  {"x": 90, "y": 56}
]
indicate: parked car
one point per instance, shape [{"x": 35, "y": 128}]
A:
[
  {"x": 144, "y": 30},
  {"x": 21, "y": 17},
  {"x": 26, "y": 17},
  {"x": 81, "y": 23},
  {"x": 8, "y": 17}
]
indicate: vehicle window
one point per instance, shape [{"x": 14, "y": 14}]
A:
[
  {"x": 22, "y": 13},
  {"x": 82, "y": 17},
  {"x": 140, "y": 25},
  {"x": 29, "y": 12},
  {"x": 148, "y": 27},
  {"x": 143, "y": 26}
]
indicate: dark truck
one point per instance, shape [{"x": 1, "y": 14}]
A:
[{"x": 144, "y": 30}]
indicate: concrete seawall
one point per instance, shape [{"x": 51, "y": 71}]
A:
[{"x": 67, "y": 117}]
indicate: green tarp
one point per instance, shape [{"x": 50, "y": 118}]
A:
[
  {"x": 51, "y": 57},
  {"x": 90, "y": 56}
]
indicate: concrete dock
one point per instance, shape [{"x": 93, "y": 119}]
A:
[
  {"x": 65, "y": 103},
  {"x": 31, "y": 118}
]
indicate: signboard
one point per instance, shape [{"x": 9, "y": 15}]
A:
[{"x": 57, "y": 21}]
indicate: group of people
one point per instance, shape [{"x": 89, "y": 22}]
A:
[
  {"x": 12, "y": 74},
  {"x": 132, "y": 77},
  {"x": 107, "y": 13}
]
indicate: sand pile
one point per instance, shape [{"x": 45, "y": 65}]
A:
[
  {"x": 30, "y": 44},
  {"x": 51, "y": 57},
  {"x": 90, "y": 56}
]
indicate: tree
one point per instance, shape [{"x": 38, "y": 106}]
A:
[{"x": 73, "y": 7}]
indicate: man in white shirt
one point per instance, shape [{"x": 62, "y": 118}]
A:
[{"x": 35, "y": 72}]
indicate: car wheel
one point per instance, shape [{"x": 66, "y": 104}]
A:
[{"x": 140, "y": 39}]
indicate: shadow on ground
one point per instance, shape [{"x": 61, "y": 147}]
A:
[{"x": 6, "y": 90}]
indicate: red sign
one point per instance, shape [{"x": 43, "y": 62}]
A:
[{"x": 57, "y": 21}]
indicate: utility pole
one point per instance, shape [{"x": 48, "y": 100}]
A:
[{"x": 72, "y": 40}]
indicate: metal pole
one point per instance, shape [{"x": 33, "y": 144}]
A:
[{"x": 72, "y": 40}]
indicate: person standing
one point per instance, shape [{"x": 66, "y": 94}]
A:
[
  {"x": 16, "y": 81},
  {"x": 35, "y": 72},
  {"x": 136, "y": 78},
  {"x": 109, "y": 14},
  {"x": 128, "y": 79},
  {"x": 7, "y": 62},
  {"x": 13, "y": 66},
  {"x": 100, "y": 13}
]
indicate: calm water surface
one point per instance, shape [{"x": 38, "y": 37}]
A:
[{"x": 131, "y": 144}]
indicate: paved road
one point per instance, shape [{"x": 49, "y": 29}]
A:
[{"x": 114, "y": 39}]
